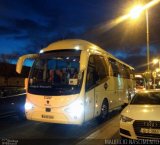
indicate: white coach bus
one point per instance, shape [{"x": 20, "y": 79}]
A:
[{"x": 73, "y": 81}]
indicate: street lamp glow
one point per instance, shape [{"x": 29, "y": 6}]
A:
[
  {"x": 158, "y": 70},
  {"x": 136, "y": 11},
  {"x": 155, "y": 61}
]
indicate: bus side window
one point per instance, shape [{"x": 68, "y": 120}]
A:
[
  {"x": 128, "y": 73},
  {"x": 97, "y": 71},
  {"x": 92, "y": 76},
  {"x": 101, "y": 67},
  {"x": 132, "y": 74},
  {"x": 124, "y": 71},
  {"x": 115, "y": 67},
  {"x": 107, "y": 66}
]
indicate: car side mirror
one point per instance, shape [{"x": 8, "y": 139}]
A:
[{"x": 126, "y": 101}]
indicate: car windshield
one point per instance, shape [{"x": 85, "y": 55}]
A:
[
  {"x": 56, "y": 73},
  {"x": 149, "y": 98}
]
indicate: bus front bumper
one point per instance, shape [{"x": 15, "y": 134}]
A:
[{"x": 52, "y": 117}]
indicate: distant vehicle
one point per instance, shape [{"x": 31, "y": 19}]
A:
[
  {"x": 140, "y": 82},
  {"x": 157, "y": 83},
  {"x": 141, "y": 119},
  {"x": 73, "y": 81}
]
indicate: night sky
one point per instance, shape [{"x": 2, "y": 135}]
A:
[{"x": 26, "y": 26}]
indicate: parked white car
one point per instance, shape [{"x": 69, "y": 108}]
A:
[{"x": 141, "y": 118}]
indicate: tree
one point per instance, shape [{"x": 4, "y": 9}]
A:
[{"x": 5, "y": 67}]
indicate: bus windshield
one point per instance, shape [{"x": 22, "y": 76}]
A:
[{"x": 56, "y": 73}]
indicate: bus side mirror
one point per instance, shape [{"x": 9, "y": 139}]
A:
[
  {"x": 83, "y": 60},
  {"x": 25, "y": 83},
  {"x": 22, "y": 59}
]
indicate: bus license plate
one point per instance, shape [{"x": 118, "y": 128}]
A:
[
  {"x": 47, "y": 116},
  {"x": 150, "y": 131}
]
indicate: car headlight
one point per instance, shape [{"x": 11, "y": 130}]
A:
[
  {"x": 28, "y": 106},
  {"x": 76, "y": 108},
  {"x": 126, "y": 119}
]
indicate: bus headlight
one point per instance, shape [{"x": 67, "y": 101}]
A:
[
  {"x": 28, "y": 106},
  {"x": 75, "y": 109}
]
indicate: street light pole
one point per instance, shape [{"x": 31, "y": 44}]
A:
[
  {"x": 148, "y": 46},
  {"x": 134, "y": 13}
]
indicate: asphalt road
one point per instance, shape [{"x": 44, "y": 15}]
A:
[{"x": 17, "y": 132}]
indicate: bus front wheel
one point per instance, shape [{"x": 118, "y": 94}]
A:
[{"x": 104, "y": 111}]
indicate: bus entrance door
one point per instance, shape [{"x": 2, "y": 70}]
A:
[{"x": 89, "y": 104}]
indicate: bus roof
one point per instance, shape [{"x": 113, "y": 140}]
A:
[{"x": 79, "y": 44}]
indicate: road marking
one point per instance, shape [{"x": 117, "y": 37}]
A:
[
  {"x": 106, "y": 131},
  {"x": 13, "y": 96},
  {"x": 8, "y": 114}
]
